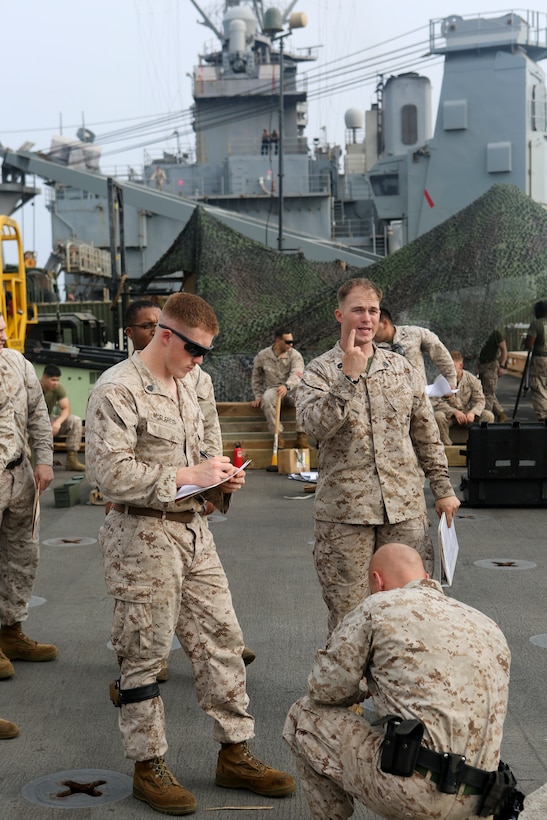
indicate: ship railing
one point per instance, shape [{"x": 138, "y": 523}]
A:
[
  {"x": 350, "y": 228},
  {"x": 527, "y": 28},
  {"x": 296, "y": 185},
  {"x": 252, "y": 146}
]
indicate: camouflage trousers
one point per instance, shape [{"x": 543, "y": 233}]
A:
[
  {"x": 342, "y": 554},
  {"x": 445, "y": 422},
  {"x": 488, "y": 374},
  {"x": 19, "y": 552},
  {"x": 538, "y": 386},
  {"x": 72, "y": 429},
  {"x": 269, "y": 405},
  {"x": 166, "y": 578},
  {"x": 337, "y": 754}
]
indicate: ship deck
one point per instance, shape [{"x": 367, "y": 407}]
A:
[{"x": 69, "y": 728}]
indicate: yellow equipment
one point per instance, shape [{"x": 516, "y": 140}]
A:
[{"x": 13, "y": 293}]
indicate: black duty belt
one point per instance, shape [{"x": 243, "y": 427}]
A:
[
  {"x": 150, "y": 512},
  {"x": 475, "y": 780},
  {"x": 15, "y": 463}
]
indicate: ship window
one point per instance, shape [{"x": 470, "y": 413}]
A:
[
  {"x": 409, "y": 124},
  {"x": 538, "y": 109},
  {"x": 385, "y": 184}
]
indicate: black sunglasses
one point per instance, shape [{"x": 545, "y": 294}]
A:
[
  {"x": 192, "y": 347},
  {"x": 146, "y": 325},
  {"x": 288, "y": 341}
]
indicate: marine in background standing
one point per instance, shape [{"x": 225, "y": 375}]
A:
[
  {"x": 492, "y": 364},
  {"x": 536, "y": 341},
  {"x": 140, "y": 322},
  {"x": 413, "y": 342}
]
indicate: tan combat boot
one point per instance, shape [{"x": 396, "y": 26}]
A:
[
  {"x": 6, "y": 667},
  {"x": 154, "y": 784},
  {"x": 72, "y": 462},
  {"x": 17, "y": 646},
  {"x": 237, "y": 768},
  {"x": 302, "y": 442},
  {"x": 8, "y": 729}
]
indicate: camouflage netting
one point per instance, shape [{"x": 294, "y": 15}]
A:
[{"x": 482, "y": 268}]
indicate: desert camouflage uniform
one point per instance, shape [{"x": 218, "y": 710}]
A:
[
  {"x": 489, "y": 374},
  {"x": 269, "y": 371},
  {"x": 27, "y": 421},
  {"x": 418, "y": 654},
  {"x": 209, "y": 431},
  {"x": 165, "y": 576},
  {"x": 373, "y": 437},
  {"x": 415, "y": 341},
  {"x": 468, "y": 399},
  {"x": 489, "y": 365},
  {"x": 538, "y": 369}
]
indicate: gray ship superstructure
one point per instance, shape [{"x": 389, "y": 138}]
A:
[
  {"x": 398, "y": 178},
  {"x": 491, "y": 123}
]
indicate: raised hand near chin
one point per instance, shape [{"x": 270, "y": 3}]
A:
[{"x": 354, "y": 360}]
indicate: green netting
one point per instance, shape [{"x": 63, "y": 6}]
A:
[{"x": 482, "y": 268}]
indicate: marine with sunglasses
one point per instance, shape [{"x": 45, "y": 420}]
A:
[
  {"x": 161, "y": 564},
  {"x": 277, "y": 371},
  {"x": 140, "y": 322}
]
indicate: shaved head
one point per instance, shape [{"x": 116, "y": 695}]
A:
[{"x": 394, "y": 565}]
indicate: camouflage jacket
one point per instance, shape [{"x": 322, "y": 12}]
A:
[
  {"x": 373, "y": 438},
  {"x": 420, "y": 654},
  {"x": 415, "y": 341},
  {"x": 26, "y": 414},
  {"x": 138, "y": 435},
  {"x": 469, "y": 398},
  {"x": 211, "y": 432},
  {"x": 270, "y": 370}
]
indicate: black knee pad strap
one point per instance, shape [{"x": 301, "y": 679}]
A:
[{"x": 120, "y": 697}]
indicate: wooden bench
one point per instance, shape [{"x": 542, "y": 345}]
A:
[{"x": 240, "y": 422}]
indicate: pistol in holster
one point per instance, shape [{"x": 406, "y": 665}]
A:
[{"x": 501, "y": 796}]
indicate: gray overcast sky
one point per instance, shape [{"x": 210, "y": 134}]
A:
[{"x": 112, "y": 63}]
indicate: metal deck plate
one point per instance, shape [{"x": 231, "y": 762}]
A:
[
  {"x": 505, "y": 563},
  {"x": 78, "y": 788},
  {"x": 69, "y": 541}
]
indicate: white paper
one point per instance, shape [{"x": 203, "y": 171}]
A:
[
  {"x": 193, "y": 489},
  {"x": 311, "y": 477},
  {"x": 440, "y": 387},
  {"x": 449, "y": 548},
  {"x": 35, "y": 514}
]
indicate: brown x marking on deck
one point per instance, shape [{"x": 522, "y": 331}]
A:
[{"x": 82, "y": 788}]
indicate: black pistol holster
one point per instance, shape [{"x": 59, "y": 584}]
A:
[
  {"x": 401, "y": 752},
  {"x": 501, "y": 796},
  {"x": 401, "y": 745}
]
